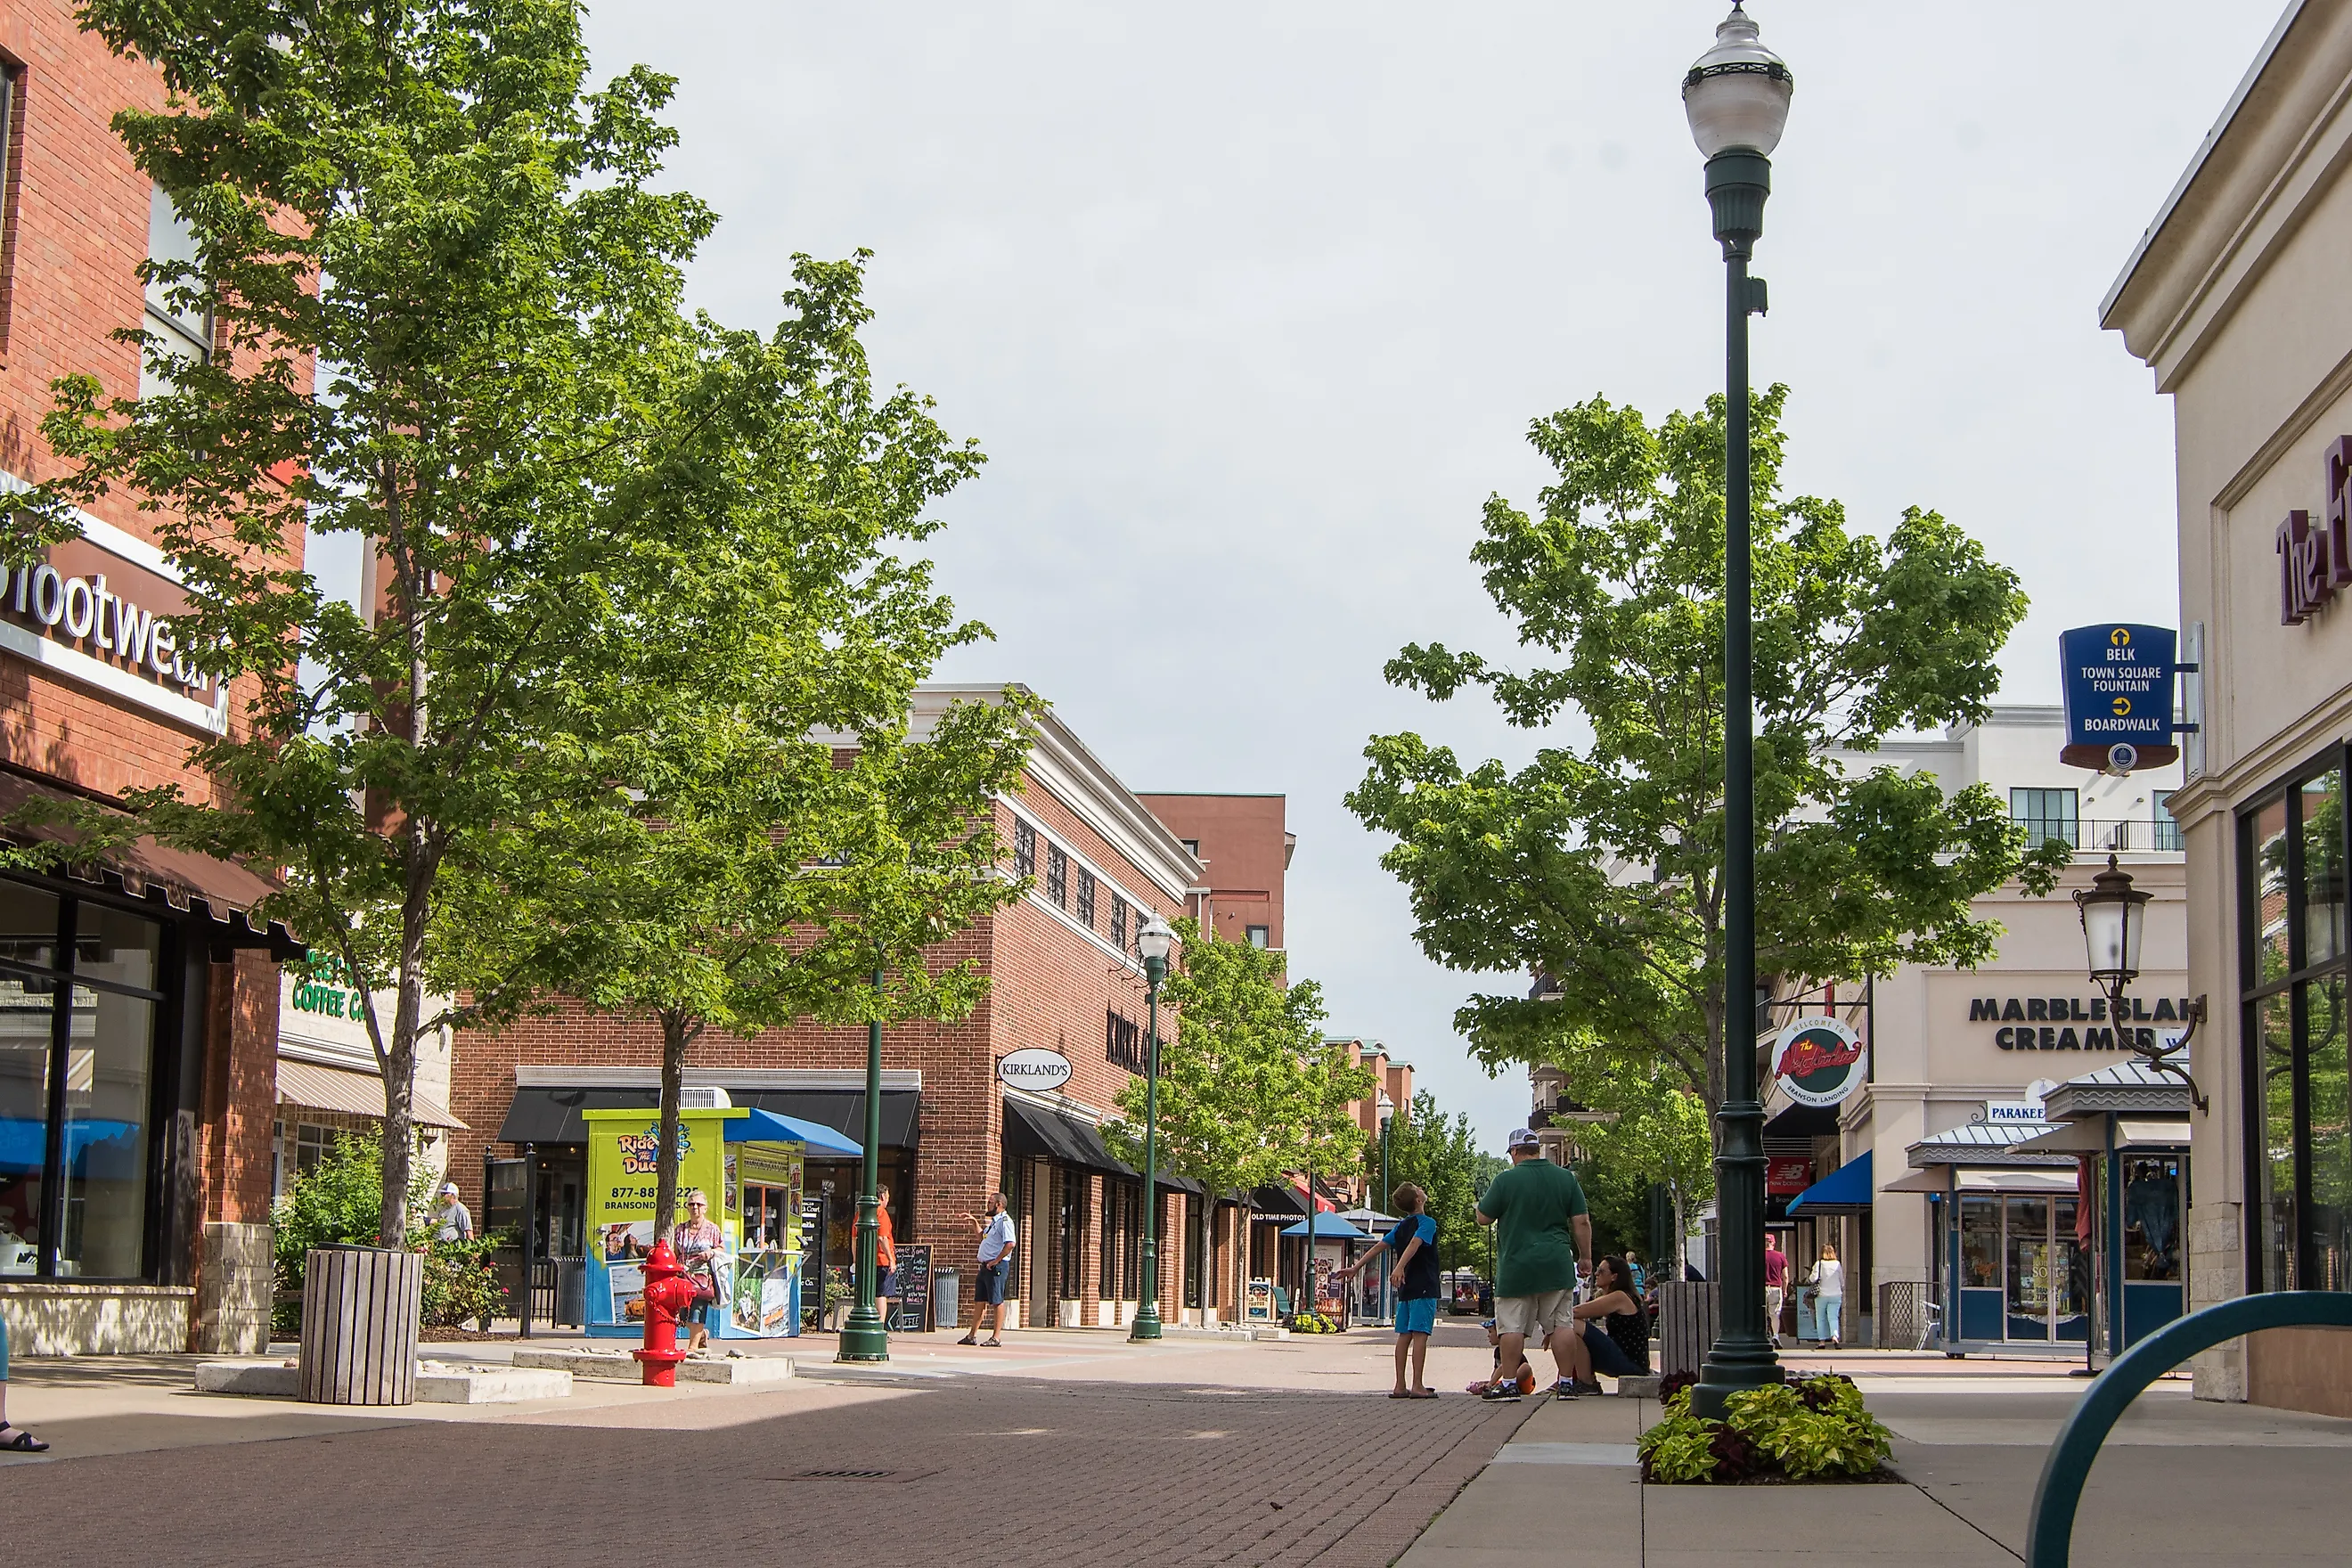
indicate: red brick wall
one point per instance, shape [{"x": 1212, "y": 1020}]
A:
[
  {"x": 240, "y": 1097},
  {"x": 1243, "y": 840},
  {"x": 1049, "y": 986}
]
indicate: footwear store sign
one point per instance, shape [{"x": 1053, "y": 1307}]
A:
[{"x": 100, "y": 610}]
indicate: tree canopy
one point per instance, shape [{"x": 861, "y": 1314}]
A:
[
  {"x": 1441, "y": 1158},
  {"x": 1250, "y": 1092},
  {"x": 1599, "y": 863}
]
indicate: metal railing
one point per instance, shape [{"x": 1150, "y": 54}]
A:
[
  {"x": 2049, "y": 1528},
  {"x": 2103, "y": 834}
]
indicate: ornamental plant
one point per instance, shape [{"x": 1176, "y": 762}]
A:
[{"x": 1814, "y": 1430}]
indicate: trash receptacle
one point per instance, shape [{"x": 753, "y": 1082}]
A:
[
  {"x": 946, "y": 1285},
  {"x": 572, "y": 1291},
  {"x": 360, "y": 1308}
]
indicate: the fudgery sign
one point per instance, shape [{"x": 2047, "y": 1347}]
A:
[
  {"x": 2313, "y": 563},
  {"x": 2048, "y": 1022}
]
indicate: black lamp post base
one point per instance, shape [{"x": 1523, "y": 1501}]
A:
[
  {"x": 864, "y": 1337},
  {"x": 1143, "y": 1328},
  {"x": 1733, "y": 1369}
]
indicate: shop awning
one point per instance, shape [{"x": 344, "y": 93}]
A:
[
  {"x": 1327, "y": 1228},
  {"x": 2089, "y": 1135},
  {"x": 1034, "y": 1133},
  {"x": 350, "y": 1093},
  {"x": 545, "y": 1115},
  {"x": 1975, "y": 1179},
  {"x": 1846, "y": 1190},
  {"x": 197, "y": 884},
  {"x": 767, "y": 1127}
]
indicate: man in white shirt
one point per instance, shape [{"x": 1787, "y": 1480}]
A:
[{"x": 997, "y": 1239}]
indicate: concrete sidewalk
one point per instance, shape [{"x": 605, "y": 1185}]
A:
[{"x": 2179, "y": 1483}]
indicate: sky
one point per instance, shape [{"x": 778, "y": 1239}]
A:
[{"x": 1250, "y": 305}]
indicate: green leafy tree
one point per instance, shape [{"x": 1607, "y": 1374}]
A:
[
  {"x": 1659, "y": 1135},
  {"x": 1441, "y": 1157},
  {"x": 423, "y": 200},
  {"x": 1599, "y": 863},
  {"x": 1232, "y": 1067},
  {"x": 767, "y": 836}
]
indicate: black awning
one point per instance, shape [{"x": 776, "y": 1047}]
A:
[
  {"x": 1278, "y": 1201},
  {"x": 1033, "y": 1132},
  {"x": 1803, "y": 1121},
  {"x": 545, "y": 1116}
]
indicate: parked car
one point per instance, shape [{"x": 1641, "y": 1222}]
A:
[{"x": 1463, "y": 1291}]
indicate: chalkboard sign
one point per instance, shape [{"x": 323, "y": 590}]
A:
[{"x": 914, "y": 1289}]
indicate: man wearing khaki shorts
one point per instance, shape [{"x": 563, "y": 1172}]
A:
[{"x": 1543, "y": 1240}]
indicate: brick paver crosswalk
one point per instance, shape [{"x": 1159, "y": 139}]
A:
[{"x": 972, "y": 1473}]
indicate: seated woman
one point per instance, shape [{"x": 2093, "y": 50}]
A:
[{"x": 1612, "y": 1331}]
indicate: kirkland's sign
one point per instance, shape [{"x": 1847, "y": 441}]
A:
[
  {"x": 2118, "y": 686},
  {"x": 2049, "y": 1023}
]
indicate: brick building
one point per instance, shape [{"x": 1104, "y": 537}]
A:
[
  {"x": 1063, "y": 977},
  {"x": 1241, "y": 841},
  {"x": 138, "y": 1007}
]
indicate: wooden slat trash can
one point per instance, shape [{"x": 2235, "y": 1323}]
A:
[
  {"x": 1689, "y": 1317},
  {"x": 360, "y": 1308}
]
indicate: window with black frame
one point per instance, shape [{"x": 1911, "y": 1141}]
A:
[
  {"x": 2293, "y": 962},
  {"x": 80, "y": 992},
  {"x": 1057, "y": 877},
  {"x": 1069, "y": 1281}
]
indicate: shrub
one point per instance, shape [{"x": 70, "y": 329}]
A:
[
  {"x": 1681, "y": 1448},
  {"x": 1822, "y": 1442},
  {"x": 1674, "y": 1392},
  {"x": 460, "y": 1287},
  {"x": 1759, "y": 1411},
  {"x": 336, "y": 1202}
]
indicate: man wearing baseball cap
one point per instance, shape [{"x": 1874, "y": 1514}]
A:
[
  {"x": 450, "y": 1220},
  {"x": 1543, "y": 1240}
]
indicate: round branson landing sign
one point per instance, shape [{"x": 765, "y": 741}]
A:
[
  {"x": 1819, "y": 1061},
  {"x": 1036, "y": 1068}
]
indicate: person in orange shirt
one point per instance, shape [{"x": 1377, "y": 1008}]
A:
[{"x": 885, "y": 1260}]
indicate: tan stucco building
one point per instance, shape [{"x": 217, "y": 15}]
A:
[{"x": 2236, "y": 298}]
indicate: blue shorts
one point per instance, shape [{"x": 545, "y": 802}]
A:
[
  {"x": 990, "y": 1288},
  {"x": 1418, "y": 1316}
]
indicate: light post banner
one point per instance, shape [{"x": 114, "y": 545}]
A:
[{"x": 2117, "y": 681}]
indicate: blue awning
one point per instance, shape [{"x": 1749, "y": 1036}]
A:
[
  {"x": 1327, "y": 1228},
  {"x": 767, "y": 1127},
  {"x": 1846, "y": 1190}
]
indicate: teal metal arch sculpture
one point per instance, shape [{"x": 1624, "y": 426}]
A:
[{"x": 2049, "y": 1528}]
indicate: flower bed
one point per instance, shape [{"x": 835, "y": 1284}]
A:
[{"x": 1814, "y": 1430}]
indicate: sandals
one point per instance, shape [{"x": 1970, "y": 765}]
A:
[
  {"x": 1422, "y": 1394},
  {"x": 20, "y": 1441},
  {"x": 967, "y": 1340},
  {"x": 992, "y": 1342}
]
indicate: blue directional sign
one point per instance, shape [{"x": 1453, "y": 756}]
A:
[{"x": 2118, "y": 685}]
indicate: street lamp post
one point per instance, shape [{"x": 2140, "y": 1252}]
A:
[
  {"x": 1153, "y": 943},
  {"x": 1387, "y": 1307},
  {"x": 864, "y": 1335},
  {"x": 1736, "y": 98}
]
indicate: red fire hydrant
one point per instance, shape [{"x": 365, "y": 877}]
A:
[{"x": 670, "y": 1290}]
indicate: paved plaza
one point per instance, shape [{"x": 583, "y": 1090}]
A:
[{"x": 1075, "y": 1447}]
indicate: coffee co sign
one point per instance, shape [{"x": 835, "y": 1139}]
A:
[
  {"x": 99, "y": 609},
  {"x": 1819, "y": 1061},
  {"x": 1033, "y": 1068}
]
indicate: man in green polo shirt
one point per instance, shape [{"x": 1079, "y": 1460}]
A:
[{"x": 1543, "y": 1240}]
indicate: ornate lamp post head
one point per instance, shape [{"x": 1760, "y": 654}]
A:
[
  {"x": 2114, "y": 915},
  {"x": 1151, "y": 944},
  {"x": 1737, "y": 94}
]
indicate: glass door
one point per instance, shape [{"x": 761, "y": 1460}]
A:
[{"x": 2028, "y": 1252}]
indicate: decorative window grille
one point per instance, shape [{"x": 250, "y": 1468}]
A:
[
  {"x": 1025, "y": 850},
  {"x": 1057, "y": 875},
  {"x": 1086, "y": 911}
]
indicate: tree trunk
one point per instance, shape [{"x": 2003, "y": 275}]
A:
[
  {"x": 400, "y": 1063},
  {"x": 677, "y": 1035}
]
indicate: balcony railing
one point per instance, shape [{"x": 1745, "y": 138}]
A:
[{"x": 2103, "y": 834}]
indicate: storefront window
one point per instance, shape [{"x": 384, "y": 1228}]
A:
[
  {"x": 2152, "y": 1189},
  {"x": 2291, "y": 859},
  {"x": 1980, "y": 1243},
  {"x": 2029, "y": 1269},
  {"x": 77, "y": 1085},
  {"x": 1069, "y": 1263},
  {"x": 2331, "y": 1137}
]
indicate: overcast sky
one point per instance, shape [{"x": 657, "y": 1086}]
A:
[{"x": 1251, "y": 304}]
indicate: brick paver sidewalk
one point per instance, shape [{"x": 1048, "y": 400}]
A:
[{"x": 978, "y": 1472}]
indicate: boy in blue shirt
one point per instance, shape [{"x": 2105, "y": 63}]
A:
[{"x": 1413, "y": 1242}]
